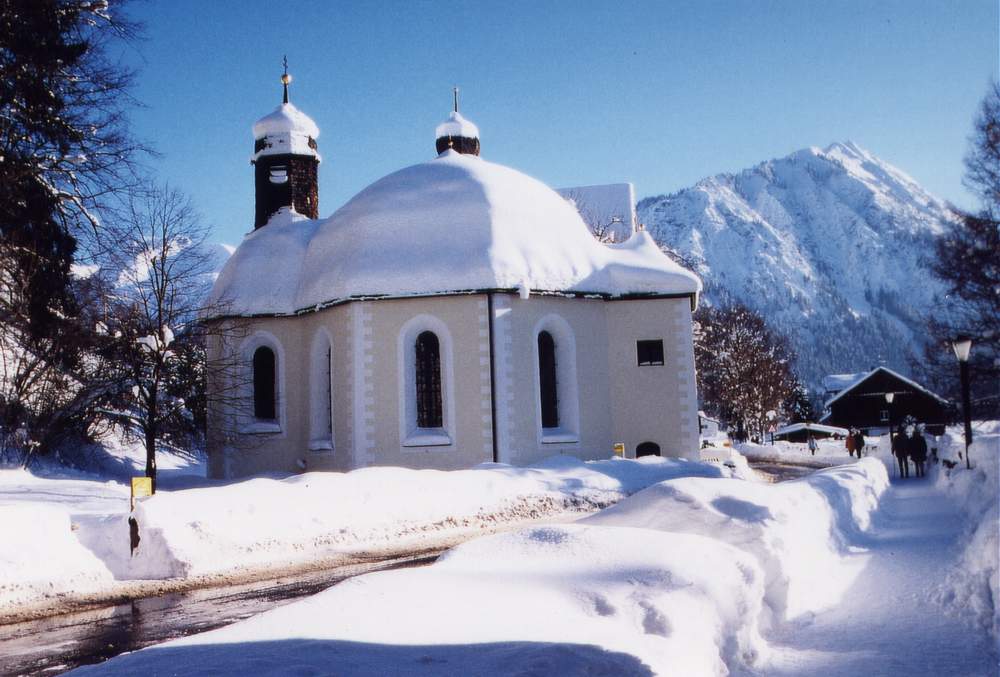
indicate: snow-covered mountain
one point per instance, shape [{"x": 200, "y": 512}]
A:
[{"x": 825, "y": 243}]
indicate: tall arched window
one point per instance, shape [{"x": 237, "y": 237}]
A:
[
  {"x": 321, "y": 393},
  {"x": 428, "y": 380},
  {"x": 264, "y": 394},
  {"x": 547, "y": 380}
]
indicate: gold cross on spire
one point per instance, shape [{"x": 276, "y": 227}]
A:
[{"x": 285, "y": 78}]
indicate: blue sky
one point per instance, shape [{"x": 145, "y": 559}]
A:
[{"x": 657, "y": 93}]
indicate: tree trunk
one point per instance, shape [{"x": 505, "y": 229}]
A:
[{"x": 150, "y": 430}]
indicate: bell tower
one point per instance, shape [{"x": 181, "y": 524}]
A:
[{"x": 286, "y": 161}]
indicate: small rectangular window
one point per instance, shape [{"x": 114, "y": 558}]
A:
[
  {"x": 884, "y": 415},
  {"x": 650, "y": 353}
]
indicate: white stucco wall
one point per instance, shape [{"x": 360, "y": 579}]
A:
[
  {"x": 612, "y": 399},
  {"x": 653, "y": 403}
]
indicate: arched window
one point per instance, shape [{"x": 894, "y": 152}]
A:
[
  {"x": 264, "y": 394},
  {"x": 647, "y": 449},
  {"x": 321, "y": 393},
  {"x": 547, "y": 380},
  {"x": 427, "y": 367},
  {"x": 558, "y": 400}
]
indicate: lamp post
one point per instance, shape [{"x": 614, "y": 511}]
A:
[
  {"x": 770, "y": 420},
  {"x": 962, "y": 348},
  {"x": 889, "y": 397}
]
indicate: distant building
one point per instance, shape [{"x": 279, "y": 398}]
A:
[
  {"x": 801, "y": 432},
  {"x": 452, "y": 313},
  {"x": 859, "y": 401}
]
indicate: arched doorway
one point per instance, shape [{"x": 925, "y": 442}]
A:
[{"x": 647, "y": 449}]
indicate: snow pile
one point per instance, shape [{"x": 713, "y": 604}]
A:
[
  {"x": 41, "y": 557},
  {"x": 563, "y": 600},
  {"x": 625, "y": 592},
  {"x": 266, "y": 522},
  {"x": 797, "y": 530},
  {"x": 974, "y": 585},
  {"x": 454, "y": 224}
]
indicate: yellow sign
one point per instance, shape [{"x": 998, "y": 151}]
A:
[
  {"x": 619, "y": 448},
  {"x": 141, "y": 487}
]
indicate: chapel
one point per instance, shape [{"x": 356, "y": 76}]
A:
[{"x": 452, "y": 313}]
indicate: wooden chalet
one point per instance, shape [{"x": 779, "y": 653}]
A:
[{"x": 861, "y": 403}]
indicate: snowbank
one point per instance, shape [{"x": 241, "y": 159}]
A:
[
  {"x": 268, "y": 522},
  {"x": 565, "y": 600},
  {"x": 219, "y": 529},
  {"x": 624, "y": 592},
  {"x": 41, "y": 558},
  {"x": 974, "y": 585},
  {"x": 797, "y": 530}
]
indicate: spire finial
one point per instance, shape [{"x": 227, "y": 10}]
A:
[
  {"x": 455, "y": 92},
  {"x": 285, "y": 78}
]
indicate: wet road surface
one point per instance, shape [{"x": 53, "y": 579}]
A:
[
  {"x": 54, "y": 645},
  {"x": 780, "y": 472}
]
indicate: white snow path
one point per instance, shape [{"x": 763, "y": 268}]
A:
[{"x": 888, "y": 622}]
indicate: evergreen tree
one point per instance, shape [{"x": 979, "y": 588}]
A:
[
  {"x": 64, "y": 149},
  {"x": 967, "y": 259}
]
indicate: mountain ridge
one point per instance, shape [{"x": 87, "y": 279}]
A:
[{"x": 826, "y": 243}]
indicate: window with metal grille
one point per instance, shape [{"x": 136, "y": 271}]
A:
[
  {"x": 428, "y": 381},
  {"x": 650, "y": 353},
  {"x": 547, "y": 382},
  {"x": 264, "y": 396}
]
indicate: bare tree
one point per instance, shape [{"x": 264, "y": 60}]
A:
[
  {"x": 744, "y": 368},
  {"x": 153, "y": 351}
]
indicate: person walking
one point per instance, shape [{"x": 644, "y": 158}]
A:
[
  {"x": 812, "y": 445},
  {"x": 859, "y": 442},
  {"x": 849, "y": 443},
  {"x": 918, "y": 449},
  {"x": 900, "y": 451}
]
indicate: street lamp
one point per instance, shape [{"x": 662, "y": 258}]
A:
[
  {"x": 770, "y": 419},
  {"x": 889, "y": 397},
  {"x": 962, "y": 348}
]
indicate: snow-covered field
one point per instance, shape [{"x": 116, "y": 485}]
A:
[{"x": 217, "y": 531}]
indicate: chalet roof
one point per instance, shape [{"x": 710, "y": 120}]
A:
[{"x": 861, "y": 378}]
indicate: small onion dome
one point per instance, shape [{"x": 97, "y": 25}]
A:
[
  {"x": 458, "y": 134},
  {"x": 285, "y": 131}
]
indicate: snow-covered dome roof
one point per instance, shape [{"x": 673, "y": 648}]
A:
[
  {"x": 454, "y": 224},
  {"x": 286, "y": 130},
  {"x": 456, "y": 125}
]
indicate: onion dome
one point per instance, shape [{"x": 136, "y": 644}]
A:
[
  {"x": 457, "y": 133},
  {"x": 285, "y": 131}
]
